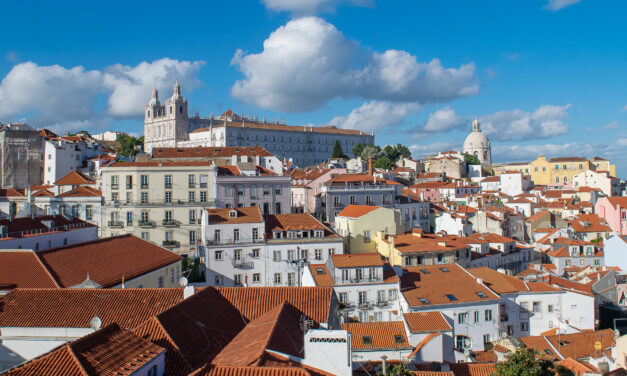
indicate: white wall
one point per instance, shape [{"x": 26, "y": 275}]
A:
[{"x": 329, "y": 350}]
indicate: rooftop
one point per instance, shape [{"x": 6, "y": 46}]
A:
[
  {"x": 425, "y": 322},
  {"x": 251, "y": 214},
  {"x": 356, "y": 211},
  {"x": 378, "y": 335}
]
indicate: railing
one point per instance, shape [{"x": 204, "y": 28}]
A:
[
  {"x": 161, "y": 203},
  {"x": 171, "y": 243},
  {"x": 143, "y": 186},
  {"x": 240, "y": 240},
  {"x": 115, "y": 186},
  {"x": 167, "y": 185},
  {"x": 169, "y": 223},
  {"x": 365, "y": 305},
  {"x": 146, "y": 224},
  {"x": 191, "y": 185},
  {"x": 116, "y": 224},
  {"x": 382, "y": 303},
  {"x": 242, "y": 264}
]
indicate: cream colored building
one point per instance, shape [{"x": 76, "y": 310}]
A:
[
  {"x": 358, "y": 224},
  {"x": 602, "y": 180}
]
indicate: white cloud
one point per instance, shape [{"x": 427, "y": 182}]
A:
[
  {"x": 56, "y": 97},
  {"x": 309, "y": 7},
  {"x": 130, "y": 86},
  {"x": 420, "y": 151},
  {"x": 611, "y": 125},
  {"x": 545, "y": 122},
  {"x": 308, "y": 62},
  {"x": 555, "y": 5},
  {"x": 375, "y": 115},
  {"x": 442, "y": 120}
]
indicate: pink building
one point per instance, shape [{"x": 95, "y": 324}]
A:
[
  {"x": 306, "y": 187},
  {"x": 614, "y": 211}
]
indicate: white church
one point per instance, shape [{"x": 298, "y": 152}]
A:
[
  {"x": 170, "y": 125},
  {"x": 477, "y": 144}
]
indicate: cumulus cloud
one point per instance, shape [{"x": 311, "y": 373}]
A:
[
  {"x": 55, "y": 96},
  {"x": 555, "y": 5},
  {"x": 545, "y": 122},
  {"x": 308, "y": 62},
  {"x": 442, "y": 120},
  {"x": 309, "y": 7},
  {"x": 420, "y": 151},
  {"x": 375, "y": 115}
]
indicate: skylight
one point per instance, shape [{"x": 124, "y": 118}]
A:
[
  {"x": 548, "y": 352},
  {"x": 319, "y": 271},
  {"x": 425, "y": 271},
  {"x": 481, "y": 294},
  {"x": 398, "y": 339},
  {"x": 366, "y": 340},
  {"x": 424, "y": 300},
  {"x": 445, "y": 270},
  {"x": 451, "y": 297}
]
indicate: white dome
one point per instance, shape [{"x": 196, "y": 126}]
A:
[{"x": 476, "y": 140}]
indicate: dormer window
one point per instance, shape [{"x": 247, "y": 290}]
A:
[
  {"x": 232, "y": 213},
  {"x": 319, "y": 234},
  {"x": 292, "y": 234},
  {"x": 277, "y": 234}
]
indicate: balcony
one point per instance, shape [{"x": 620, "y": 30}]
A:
[
  {"x": 169, "y": 223},
  {"x": 171, "y": 244},
  {"x": 167, "y": 185},
  {"x": 114, "y": 186},
  {"x": 146, "y": 224},
  {"x": 191, "y": 185},
  {"x": 240, "y": 240},
  {"x": 116, "y": 224},
  {"x": 337, "y": 204},
  {"x": 161, "y": 203},
  {"x": 242, "y": 264},
  {"x": 365, "y": 305},
  {"x": 382, "y": 303},
  {"x": 143, "y": 186}
]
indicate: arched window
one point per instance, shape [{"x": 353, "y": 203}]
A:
[
  {"x": 180, "y": 109},
  {"x": 170, "y": 110},
  {"x": 148, "y": 113}
]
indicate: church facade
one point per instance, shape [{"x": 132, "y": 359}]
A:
[
  {"x": 169, "y": 125},
  {"x": 477, "y": 144}
]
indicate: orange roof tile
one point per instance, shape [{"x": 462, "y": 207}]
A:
[
  {"x": 356, "y": 211},
  {"x": 74, "y": 178},
  {"x": 210, "y": 152},
  {"x": 321, "y": 275},
  {"x": 441, "y": 284},
  {"x": 589, "y": 223},
  {"x": 422, "y": 322},
  {"x": 106, "y": 261},
  {"x": 23, "y": 269},
  {"x": 294, "y": 222},
  {"x": 409, "y": 243},
  {"x": 377, "y": 335},
  {"x": 356, "y": 260},
  {"x": 250, "y": 214},
  {"x": 10, "y": 192},
  {"x": 473, "y": 369},
  {"x": 82, "y": 191},
  {"x": 213, "y": 370},
  {"x": 502, "y": 284}
]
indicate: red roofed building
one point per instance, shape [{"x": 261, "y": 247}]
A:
[
  {"x": 614, "y": 211},
  {"x": 44, "y": 232}
]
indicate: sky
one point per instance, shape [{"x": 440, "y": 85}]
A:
[{"x": 543, "y": 77}]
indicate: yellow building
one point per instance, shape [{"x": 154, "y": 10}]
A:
[
  {"x": 358, "y": 224},
  {"x": 556, "y": 171}
]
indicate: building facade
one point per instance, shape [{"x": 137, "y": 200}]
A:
[{"x": 477, "y": 144}]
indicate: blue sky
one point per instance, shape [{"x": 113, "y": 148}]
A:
[{"x": 543, "y": 77}]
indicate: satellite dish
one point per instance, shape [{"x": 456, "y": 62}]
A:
[
  {"x": 95, "y": 323},
  {"x": 183, "y": 282}
]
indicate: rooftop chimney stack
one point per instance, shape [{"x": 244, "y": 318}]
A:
[{"x": 370, "y": 167}]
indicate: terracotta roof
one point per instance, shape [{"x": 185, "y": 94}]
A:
[
  {"x": 82, "y": 191},
  {"x": 377, "y": 335},
  {"x": 502, "y": 284},
  {"x": 589, "y": 223},
  {"x": 579, "y": 368},
  {"x": 106, "y": 261},
  {"x": 109, "y": 351},
  {"x": 618, "y": 201},
  {"x": 10, "y": 192},
  {"x": 356, "y": 211},
  {"x": 42, "y": 193},
  {"x": 163, "y": 164},
  {"x": 213, "y": 370},
  {"x": 74, "y": 178},
  {"x": 294, "y": 222},
  {"x": 473, "y": 369},
  {"x": 573, "y": 345},
  {"x": 441, "y": 284},
  {"x": 356, "y": 260},
  {"x": 23, "y": 269},
  {"x": 279, "y": 329},
  {"x": 74, "y": 308},
  {"x": 491, "y": 237},
  {"x": 28, "y": 226},
  {"x": 229, "y": 171},
  {"x": 554, "y": 280},
  {"x": 424, "y": 322},
  {"x": 410, "y": 243},
  {"x": 252, "y": 302},
  {"x": 250, "y": 214},
  {"x": 537, "y": 216},
  {"x": 491, "y": 179},
  {"x": 321, "y": 275},
  {"x": 210, "y": 152},
  {"x": 568, "y": 159}
]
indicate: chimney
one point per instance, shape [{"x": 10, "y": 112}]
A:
[
  {"x": 384, "y": 365},
  {"x": 370, "y": 167}
]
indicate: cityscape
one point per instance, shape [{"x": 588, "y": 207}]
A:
[{"x": 313, "y": 187}]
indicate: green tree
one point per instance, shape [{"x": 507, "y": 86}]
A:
[
  {"x": 370, "y": 151},
  {"x": 337, "y": 151},
  {"x": 530, "y": 362},
  {"x": 402, "y": 151},
  {"x": 396, "y": 369},
  {"x": 191, "y": 269},
  {"x": 129, "y": 146},
  {"x": 390, "y": 152},
  {"x": 384, "y": 163},
  {"x": 358, "y": 149},
  {"x": 471, "y": 159}
]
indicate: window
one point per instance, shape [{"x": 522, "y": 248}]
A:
[
  {"x": 524, "y": 326},
  {"x": 219, "y": 280},
  {"x": 129, "y": 181},
  {"x": 218, "y": 255},
  {"x": 345, "y": 275},
  {"x": 256, "y": 277},
  {"x": 424, "y": 300},
  {"x": 363, "y": 316},
  {"x": 486, "y": 339},
  {"x": 318, "y": 254},
  {"x": 237, "y": 278},
  {"x": 191, "y": 197},
  {"x": 203, "y": 181},
  {"x": 277, "y": 208},
  {"x": 290, "y": 255},
  {"x": 392, "y": 294},
  {"x": 143, "y": 198},
  {"x": 277, "y": 189},
  {"x": 129, "y": 197},
  {"x": 143, "y": 181},
  {"x": 114, "y": 181},
  {"x": 276, "y": 256},
  {"x": 462, "y": 342},
  {"x": 352, "y": 200},
  {"x": 331, "y": 251},
  {"x": 192, "y": 237},
  {"x": 378, "y": 316},
  {"x": 153, "y": 370},
  {"x": 192, "y": 217},
  {"x": 366, "y": 340},
  {"x": 228, "y": 190},
  {"x": 129, "y": 218},
  {"x": 481, "y": 294},
  {"x": 167, "y": 216},
  {"x": 536, "y": 307},
  {"x": 462, "y": 317},
  {"x": 277, "y": 278},
  {"x": 549, "y": 308},
  {"x": 191, "y": 181},
  {"x": 114, "y": 197},
  {"x": 304, "y": 254},
  {"x": 367, "y": 236},
  {"x": 255, "y": 253},
  {"x": 488, "y": 315},
  {"x": 240, "y": 190},
  {"x": 145, "y": 236},
  {"x": 237, "y": 254},
  {"x": 363, "y": 297},
  {"x": 524, "y": 307},
  {"x": 476, "y": 316},
  {"x": 203, "y": 197},
  {"x": 451, "y": 297},
  {"x": 440, "y": 258},
  {"x": 291, "y": 279},
  {"x": 236, "y": 235},
  {"x": 160, "y": 281},
  {"x": 381, "y": 296},
  {"x": 253, "y": 191},
  {"x": 168, "y": 197},
  {"x": 359, "y": 274},
  {"x": 266, "y": 189},
  {"x": 343, "y": 297}
]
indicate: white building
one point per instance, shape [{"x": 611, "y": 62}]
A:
[
  {"x": 242, "y": 248},
  {"x": 108, "y": 135},
  {"x": 44, "y": 232},
  {"x": 468, "y": 305},
  {"x": 477, "y": 144},
  {"x": 373, "y": 340},
  {"x": 63, "y": 155},
  {"x": 602, "y": 180},
  {"x": 453, "y": 224},
  {"x": 366, "y": 286},
  {"x": 170, "y": 125},
  {"x": 514, "y": 183}
]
